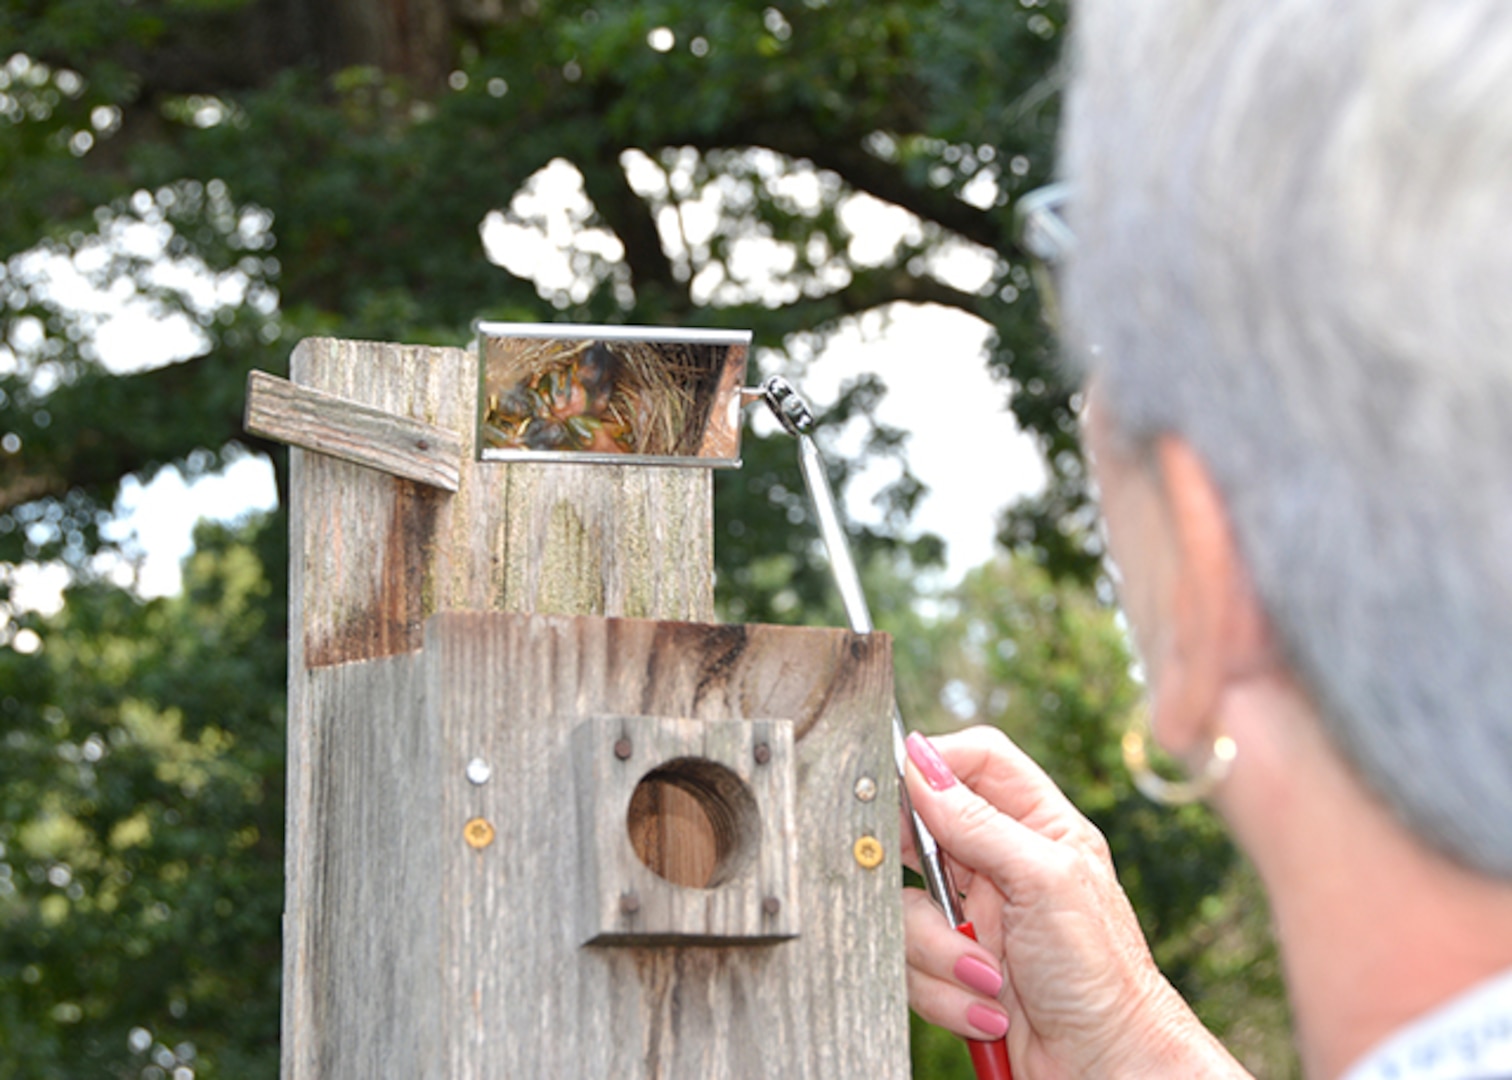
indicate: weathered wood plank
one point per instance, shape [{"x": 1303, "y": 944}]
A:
[
  {"x": 435, "y": 958},
  {"x": 374, "y": 555},
  {"x": 595, "y": 539},
  {"x": 374, "y": 795},
  {"x": 327, "y": 424},
  {"x": 512, "y": 691},
  {"x": 410, "y": 952},
  {"x": 368, "y": 551},
  {"x": 736, "y": 802}
]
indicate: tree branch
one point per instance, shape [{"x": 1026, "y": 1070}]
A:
[
  {"x": 891, "y": 284},
  {"x": 867, "y": 291},
  {"x": 632, "y": 220},
  {"x": 798, "y": 138}
]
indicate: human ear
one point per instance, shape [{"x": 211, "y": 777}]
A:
[{"x": 1216, "y": 629}]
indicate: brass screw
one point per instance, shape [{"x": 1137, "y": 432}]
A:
[
  {"x": 622, "y": 748},
  {"x": 763, "y": 753},
  {"x": 868, "y": 852},
  {"x": 866, "y": 789},
  {"x": 478, "y": 833}
]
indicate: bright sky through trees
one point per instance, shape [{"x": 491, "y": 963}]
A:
[{"x": 965, "y": 445}]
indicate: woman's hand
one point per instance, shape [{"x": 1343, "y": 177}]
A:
[{"x": 1082, "y": 994}]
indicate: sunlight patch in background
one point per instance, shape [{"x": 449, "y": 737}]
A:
[
  {"x": 964, "y": 444},
  {"x": 127, "y": 330}
]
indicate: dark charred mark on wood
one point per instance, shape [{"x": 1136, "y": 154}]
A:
[
  {"x": 723, "y": 646},
  {"x": 395, "y": 622}
]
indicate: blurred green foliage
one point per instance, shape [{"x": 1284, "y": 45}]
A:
[
  {"x": 251, "y": 172},
  {"x": 141, "y": 825}
]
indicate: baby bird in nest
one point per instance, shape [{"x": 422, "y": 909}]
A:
[{"x": 572, "y": 407}]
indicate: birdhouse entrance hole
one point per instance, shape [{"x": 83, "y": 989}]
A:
[{"x": 694, "y": 822}]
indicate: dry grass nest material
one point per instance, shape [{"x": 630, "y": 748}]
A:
[{"x": 549, "y": 394}]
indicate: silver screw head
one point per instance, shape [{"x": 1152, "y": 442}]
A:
[
  {"x": 866, "y": 789},
  {"x": 479, "y": 771}
]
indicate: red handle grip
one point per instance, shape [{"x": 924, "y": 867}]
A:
[{"x": 989, "y": 1059}]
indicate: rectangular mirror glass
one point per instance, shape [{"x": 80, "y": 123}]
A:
[{"x": 610, "y": 394}]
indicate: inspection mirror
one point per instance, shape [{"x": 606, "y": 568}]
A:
[{"x": 610, "y": 394}]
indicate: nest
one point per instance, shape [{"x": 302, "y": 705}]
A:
[{"x": 612, "y": 397}]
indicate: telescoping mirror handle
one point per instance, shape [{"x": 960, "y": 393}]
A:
[{"x": 989, "y": 1058}]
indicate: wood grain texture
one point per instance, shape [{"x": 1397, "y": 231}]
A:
[
  {"x": 829, "y": 1003},
  {"x": 432, "y": 958},
  {"x": 374, "y": 789},
  {"x": 373, "y": 555},
  {"x": 597, "y": 539},
  {"x": 673, "y": 832},
  {"x": 409, "y": 952},
  {"x": 744, "y": 805},
  {"x": 330, "y": 425}
]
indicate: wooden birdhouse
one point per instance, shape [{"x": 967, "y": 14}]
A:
[{"x": 546, "y": 819}]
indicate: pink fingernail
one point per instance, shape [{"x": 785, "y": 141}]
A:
[
  {"x": 989, "y": 1021},
  {"x": 931, "y": 764},
  {"x": 979, "y": 976}
]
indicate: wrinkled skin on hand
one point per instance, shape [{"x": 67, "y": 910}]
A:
[{"x": 1082, "y": 992}]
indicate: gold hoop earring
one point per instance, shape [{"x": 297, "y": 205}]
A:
[{"x": 1157, "y": 788}]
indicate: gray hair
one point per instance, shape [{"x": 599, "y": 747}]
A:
[{"x": 1294, "y": 227}]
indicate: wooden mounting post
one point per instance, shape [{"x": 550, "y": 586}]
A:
[{"x": 544, "y": 818}]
